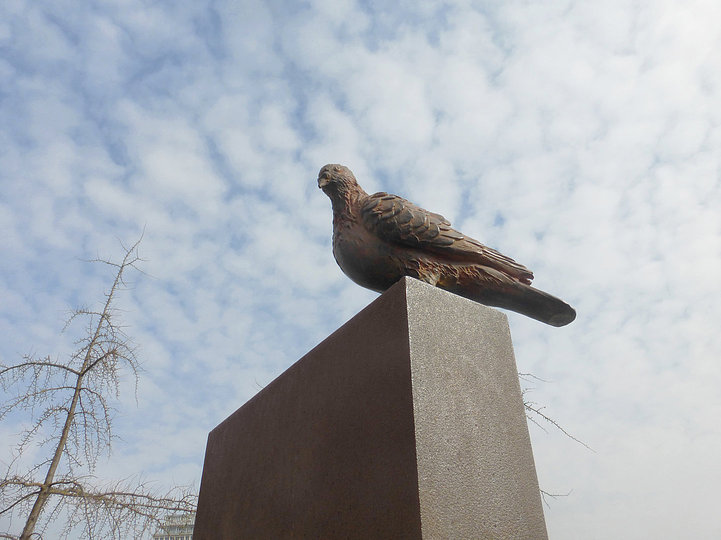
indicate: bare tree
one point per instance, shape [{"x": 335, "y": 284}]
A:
[
  {"x": 71, "y": 411},
  {"x": 534, "y": 413}
]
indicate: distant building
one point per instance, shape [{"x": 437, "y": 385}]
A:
[{"x": 176, "y": 527}]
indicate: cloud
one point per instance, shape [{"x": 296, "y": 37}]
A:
[{"x": 579, "y": 139}]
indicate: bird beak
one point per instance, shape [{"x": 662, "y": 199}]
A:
[{"x": 323, "y": 180}]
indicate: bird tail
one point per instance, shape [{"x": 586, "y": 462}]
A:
[
  {"x": 520, "y": 298},
  {"x": 538, "y": 305}
]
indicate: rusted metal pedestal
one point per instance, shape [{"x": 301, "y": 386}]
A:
[{"x": 407, "y": 422}]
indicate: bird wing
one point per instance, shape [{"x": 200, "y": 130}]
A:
[{"x": 399, "y": 221}]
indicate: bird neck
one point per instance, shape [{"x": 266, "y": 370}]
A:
[{"x": 347, "y": 205}]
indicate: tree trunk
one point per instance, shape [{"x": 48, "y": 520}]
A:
[
  {"x": 50, "y": 476},
  {"x": 44, "y": 492}
]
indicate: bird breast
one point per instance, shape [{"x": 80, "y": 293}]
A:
[{"x": 364, "y": 258}]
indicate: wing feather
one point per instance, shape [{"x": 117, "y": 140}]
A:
[{"x": 399, "y": 221}]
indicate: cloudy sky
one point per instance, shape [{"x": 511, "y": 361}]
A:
[{"x": 580, "y": 138}]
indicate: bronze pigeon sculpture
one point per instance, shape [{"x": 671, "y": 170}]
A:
[{"x": 379, "y": 238}]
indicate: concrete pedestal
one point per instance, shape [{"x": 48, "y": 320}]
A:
[{"x": 407, "y": 422}]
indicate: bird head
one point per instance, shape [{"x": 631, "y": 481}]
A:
[{"x": 336, "y": 179}]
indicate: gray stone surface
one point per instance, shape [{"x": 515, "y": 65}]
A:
[
  {"x": 407, "y": 422},
  {"x": 476, "y": 474}
]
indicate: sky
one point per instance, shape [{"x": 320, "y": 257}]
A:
[{"x": 580, "y": 138}]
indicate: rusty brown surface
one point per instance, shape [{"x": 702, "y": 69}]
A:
[{"x": 327, "y": 449}]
